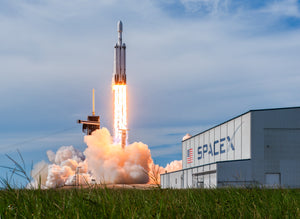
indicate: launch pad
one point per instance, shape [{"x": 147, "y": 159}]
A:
[{"x": 114, "y": 186}]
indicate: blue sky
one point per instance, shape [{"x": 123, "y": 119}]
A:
[{"x": 191, "y": 64}]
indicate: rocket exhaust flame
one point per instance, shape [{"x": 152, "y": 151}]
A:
[{"x": 120, "y": 114}]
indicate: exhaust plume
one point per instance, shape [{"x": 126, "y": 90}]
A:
[{"x": 102, "y": 162}]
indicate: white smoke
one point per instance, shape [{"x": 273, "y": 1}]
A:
[
  {"x": 187, "y": 136},
  {"x": 174, "y": 166},
  {"x": 67, "y": 163},
  {"x": 109, "y": 163},
  {"x": 39, "y": 174},
  {"x": 102, "y": 162},
  {"x": 64, "y": 153}
]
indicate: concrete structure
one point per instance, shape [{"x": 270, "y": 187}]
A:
[{"x": 260, "y": 147}]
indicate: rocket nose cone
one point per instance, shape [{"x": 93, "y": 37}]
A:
[{"x": 120, "y": 26}]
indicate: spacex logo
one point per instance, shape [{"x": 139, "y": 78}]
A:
[
  {"x": 190, "y": 155},
  {"x": 218, "y": 146},
  {"x": 215, "y": 148}
]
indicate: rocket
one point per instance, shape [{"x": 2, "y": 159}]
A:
[{"x": 120, "y": 58}]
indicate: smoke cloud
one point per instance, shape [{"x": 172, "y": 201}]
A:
[
  {"x": 102, "y": 162},
  {"x": 109, "y": 163}
]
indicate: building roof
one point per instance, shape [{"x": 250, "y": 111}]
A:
[{"x": 255, "y": 110}]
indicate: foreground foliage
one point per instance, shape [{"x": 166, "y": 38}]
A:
[{"x": 158, "y": 203}]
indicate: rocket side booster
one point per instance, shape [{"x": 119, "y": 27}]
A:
[{"x": 120, "y": 58}]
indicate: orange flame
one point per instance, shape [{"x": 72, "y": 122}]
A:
[{"x": 120, "y": 112}]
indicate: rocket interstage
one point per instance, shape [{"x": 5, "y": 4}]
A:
[{"x": 120, "y": 91}]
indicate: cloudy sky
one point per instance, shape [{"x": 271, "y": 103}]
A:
[{"x": 191, "y": 64}]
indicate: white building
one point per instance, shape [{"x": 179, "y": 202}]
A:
[{"x": 260, "y": 147}]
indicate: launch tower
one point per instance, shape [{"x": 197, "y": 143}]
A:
[{"x": 93, "y": 122}]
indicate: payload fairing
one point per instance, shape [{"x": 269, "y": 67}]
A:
[{"x": 120, "y": 58}]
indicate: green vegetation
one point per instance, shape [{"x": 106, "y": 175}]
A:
[
  {"x": 154, "y": 203},
  {"x": 103, "y": 202}
]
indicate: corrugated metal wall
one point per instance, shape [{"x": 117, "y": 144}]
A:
[
  {"x": 229, "y": 141},
  {"x": 197, "y": 177},
  {"x": 276, "y": 146}
]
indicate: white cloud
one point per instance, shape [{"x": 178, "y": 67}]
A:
[
  {"x": 209, "y": 6},
  {"x": 289, "y": 8}
]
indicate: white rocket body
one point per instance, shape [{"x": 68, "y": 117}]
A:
[{"x": 120, "y": 58}]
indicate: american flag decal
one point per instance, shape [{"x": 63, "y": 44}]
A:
[{"x": 190, "y": 155}]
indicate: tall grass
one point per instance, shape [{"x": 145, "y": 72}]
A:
[
  {"x": 153, "y": 203},
  {"x": 19, "y": 170}
]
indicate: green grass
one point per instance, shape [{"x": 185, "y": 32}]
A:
[
  {"x": 135, "y": 203},
  {"x": 154, "y": 203}
]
